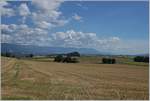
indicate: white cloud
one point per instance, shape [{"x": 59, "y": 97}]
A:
[
  {"x": 44, "y": 25},
  {"x": 45, "y": 14},
  {"x": 72, "y": 38},
  {"x": 3, "y": 3},
  {"x": 47, "y": 5},
  {"x": 77, "y": 17},
  {"x": 115, "y": 39},
  {"x": 5, "y": 11},
  {"x": 113, "y": 44},
  {"x": 48, "y": 13},
  {"x": 132, "y": 46},
  {"x": 8, "y": 29},
  {"x": 24, "y": 11},
  {"x": 6, "y": 38},
  {"x": 23, "y": 34}
]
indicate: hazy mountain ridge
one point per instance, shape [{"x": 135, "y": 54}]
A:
[{"x": 43, "y": 50}]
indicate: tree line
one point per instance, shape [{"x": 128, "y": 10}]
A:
[
  {"x": 9, "y": 54},
  {"x": 141, "y": 59},
  {"x": 73, "y": 58}
]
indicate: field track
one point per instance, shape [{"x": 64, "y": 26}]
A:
[{"x": 24, "y": 79}]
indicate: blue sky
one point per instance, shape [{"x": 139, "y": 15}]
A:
[
  {"x": 125, "y": 19},
  {"x": 112, "y": 26}
]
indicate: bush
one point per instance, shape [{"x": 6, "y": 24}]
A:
[
  {"x": 29, "y": 55},
  {"x": 59, "y": 58},
  {"x": 146, "y": 59},
  {"x": 113, "y": 61},
  {"x": 108, "y": 61},
  {"x": 104, "y": 60},
  {"x": 7, "y": 54},
  {"x": 74, "y": 54},
  {"x": 74, "y": 60},
  {"x": 67, "y": 59},
  {"x": 141, "y": 59}
]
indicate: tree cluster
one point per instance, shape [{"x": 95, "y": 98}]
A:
[
  {"x": 108, "y": 61},
  {"x": 7, "y": 54},
  {"x": 141, "y": 59},
  {"x": 68, "y": 58},
  {"x": 29, "y": 55}
]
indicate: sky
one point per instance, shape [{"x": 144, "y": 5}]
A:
[{"x": 118, "y": 27}]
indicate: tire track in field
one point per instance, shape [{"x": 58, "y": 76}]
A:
[
  {"x": 84, "y": 90},
  {"x": 9, "y": 65},
  {"x": 29, "y": 66},
  {"x": 84, "y": 79}
]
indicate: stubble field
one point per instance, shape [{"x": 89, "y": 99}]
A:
[{"x": 31, "y": 79}]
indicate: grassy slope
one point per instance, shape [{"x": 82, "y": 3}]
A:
[{"x": 26, "y": 79}]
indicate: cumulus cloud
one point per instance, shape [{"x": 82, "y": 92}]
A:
[
  {"x": 6, "y": 38},
  {"x": 72, "y": 38},
  {"x": 5, "y": 10},
  {"x": 24, "y": 11},
  {"x": 23, "y": 34},
  {"x": 8, "y": 29},
  {"x": 44, "y": 25},
  {"x": 45, "y": 16},
  {"x": 48, "y": 13},
  {"x": 47, "y": 5},
  {"x": 77, "y": 17},
  {"x": 45, "y": 12}
]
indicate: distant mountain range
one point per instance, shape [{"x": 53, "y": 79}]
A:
[{"x": 42, "y": 50}]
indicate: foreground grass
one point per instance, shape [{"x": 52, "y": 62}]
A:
[
  {"x": 38, "y": 80},
  {"x": 16, "y": 98}
]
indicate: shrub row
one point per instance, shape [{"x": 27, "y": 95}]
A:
[
  {"x": 67, "y": 59},
  {"x": 108, "y": 61},
  {"x": 141, "y": 59},
  {"x": 8, "y": 54}
]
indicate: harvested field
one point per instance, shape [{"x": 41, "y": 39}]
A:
[{"x": 25, "y": 79}]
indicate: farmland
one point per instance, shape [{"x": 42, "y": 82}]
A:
[{"x": 41, "y": 78}]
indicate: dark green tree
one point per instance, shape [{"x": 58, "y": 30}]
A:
[
  {"x": 108, "y": 61},
  {"x": 141, "y": 59},
  {"x": 74, "y": 54},
  {"x": 59, "y": 58}
]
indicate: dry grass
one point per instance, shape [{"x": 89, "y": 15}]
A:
[{"x": 49, "y": 80}]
